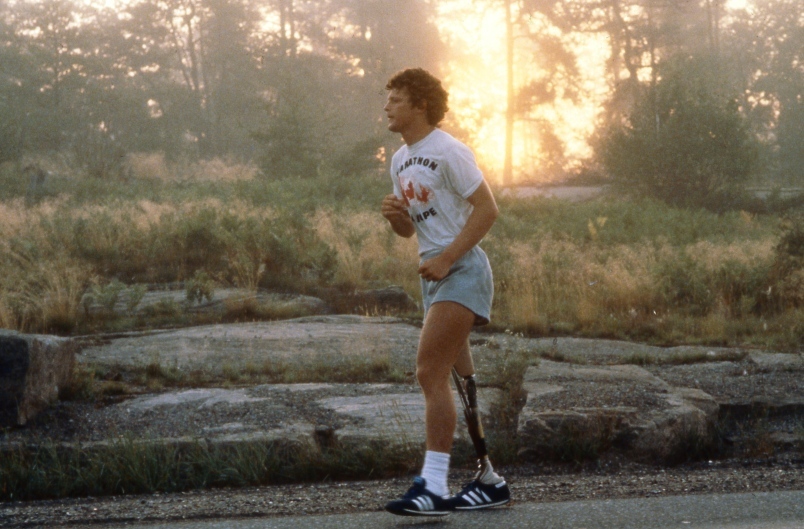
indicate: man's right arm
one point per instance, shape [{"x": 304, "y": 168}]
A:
[{"x": 394, "y": 210}]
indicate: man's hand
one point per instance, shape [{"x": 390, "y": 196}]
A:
[
  {"x": 395, "y": 211},
  {"x": 484, "y": 213},
  {"x": 393, "y": 207},
  {"x": 435, "y": 269}
]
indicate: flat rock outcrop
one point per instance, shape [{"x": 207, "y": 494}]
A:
[
  {"x": 328, "y": 340},
  {"x": 344, "y": 415},
  {"x": 621, "y": 406},
  {"x": 578, "y": 398}
]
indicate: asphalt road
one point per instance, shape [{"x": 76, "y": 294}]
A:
[{"x": 775, "y": 510}]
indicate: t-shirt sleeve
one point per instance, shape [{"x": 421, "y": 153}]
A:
[
  {"x": 394, "y": 179},
  {"x": 461, "y": 171}
]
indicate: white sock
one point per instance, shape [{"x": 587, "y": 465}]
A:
[
  {"x": 434, "y": 472},
  {"x": 487, "y": 476}
]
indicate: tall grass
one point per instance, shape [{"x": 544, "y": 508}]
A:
[
  {"x": 367, "y": 252},
  {"x": 627, "y": 269},
  {"x": 640, "y": 270},
  {"x": 564, "y": 285}
]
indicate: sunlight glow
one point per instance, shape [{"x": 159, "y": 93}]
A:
[
  {"x": 736, "y": 4},
  {"x": 477, "y": 84}
]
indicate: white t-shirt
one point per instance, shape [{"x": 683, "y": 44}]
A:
[{"x": 434, "y": 177}]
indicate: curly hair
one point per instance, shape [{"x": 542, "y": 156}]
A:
[{"x": 423, "y": 87}]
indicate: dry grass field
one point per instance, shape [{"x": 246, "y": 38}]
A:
[{"x": 606, "y": 267}]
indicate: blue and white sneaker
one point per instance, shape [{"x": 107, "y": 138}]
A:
[
  {"x": 478, "y": 495},
  {"x": 418, "y": 501}
]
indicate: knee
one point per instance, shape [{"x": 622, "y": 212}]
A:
[{"x": 431, "y": 378}]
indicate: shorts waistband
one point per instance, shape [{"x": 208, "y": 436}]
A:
[{"x": 438, "y": 251}]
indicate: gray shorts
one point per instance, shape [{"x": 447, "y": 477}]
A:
[{"x": 468, "y": 283}]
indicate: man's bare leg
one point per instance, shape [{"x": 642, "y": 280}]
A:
[
  {"x": 446, "y": 329},
  {"x": 445, "y": 336}
]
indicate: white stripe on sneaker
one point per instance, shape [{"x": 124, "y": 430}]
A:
[{"x": 424, "y": 503}]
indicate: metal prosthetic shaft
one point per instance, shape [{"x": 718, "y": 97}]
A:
[{"x": 467, "y": 390}]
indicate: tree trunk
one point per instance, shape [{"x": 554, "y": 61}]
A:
[{"x": 507, "y": 178}]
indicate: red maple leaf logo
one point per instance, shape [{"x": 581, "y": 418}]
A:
[
  {"x": 424, "y": 196},
  {"x": 409, "y": 193}
]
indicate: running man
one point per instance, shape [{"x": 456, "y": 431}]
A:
[{"x": 440, "y": 195}]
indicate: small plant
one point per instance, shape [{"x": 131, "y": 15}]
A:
[
  {"x": 683, "y": 285},
  {"x": 113, "y": 388},
  {"x": 106, "y": 296},
  {"x": 695, "y": 445},
  {"x": 200, "y": 287},
  {"x": 157, "y": 375},
  {"x": 167, "y": 308},
  {"x": 640, "y": 358},
  {"x": 504, "y": 362},
  {"x": 135, "y": 295},
  {"x": 81, "y": 386}
]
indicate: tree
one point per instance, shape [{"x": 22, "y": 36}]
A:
[
  {"x": 51, "y": 44},
  {"x": 508, "y": 163},
  {"x": 765, "y": 45},
  {"x": 300, "y": 117},
  {"x": 685, "y": 141},
  {"x": 324, "y": 72},
  {"x": 540, "y": 70},
  {"x": 231, "y": 77},
  {"x": 215, "y": 59},
  {"x": 12, "y": 108},
  {"x": 369, "y": 46}
]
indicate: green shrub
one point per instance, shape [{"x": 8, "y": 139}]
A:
[
  {"x": 788, "y": 268},
  {"x": 199, "y": 287},
  {"x": 99, "y": 155},
  {"x": 685, "y": 142},
  {"x": 683, "y": 285},
  {"x": 296, "y": 254},
  {"x": 104, "y": 295}
]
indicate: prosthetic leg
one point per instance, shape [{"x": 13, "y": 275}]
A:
[{"x": 467, "y": 390}]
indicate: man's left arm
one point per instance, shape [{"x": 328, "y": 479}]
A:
[{"x": 480, "y": 221}]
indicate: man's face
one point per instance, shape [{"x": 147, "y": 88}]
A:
[{"x": 401, "y": 113}]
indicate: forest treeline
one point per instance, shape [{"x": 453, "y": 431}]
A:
[
  {"x": 700, "y": 98},
  {"x": 205, "y": 78}
]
